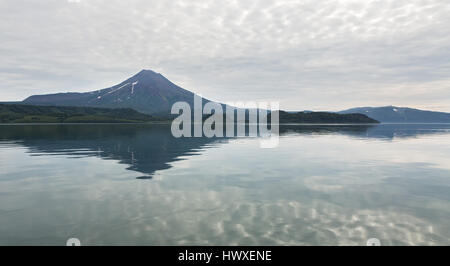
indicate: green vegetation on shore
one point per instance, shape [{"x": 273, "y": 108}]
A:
[
  {"x": 13, "y": 113},
  {"x": 324, "y": 118}
]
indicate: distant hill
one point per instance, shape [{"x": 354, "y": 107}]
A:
[
  {"x": 393, "y": 114},
  {"x": 324, "y": 118},
  {"x": 147, "y": 92},
  {"x": 12, "y": 113}
]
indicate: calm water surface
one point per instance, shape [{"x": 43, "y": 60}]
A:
[{"x": 137, "y": 185}]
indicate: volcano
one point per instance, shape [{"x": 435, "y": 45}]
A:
[{"x": 147, "y": 92}]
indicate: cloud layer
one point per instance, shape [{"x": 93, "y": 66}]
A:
[{"x": 321, "y": 55}]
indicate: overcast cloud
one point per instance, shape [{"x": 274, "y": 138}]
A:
[{"x": 310, "y": 54}]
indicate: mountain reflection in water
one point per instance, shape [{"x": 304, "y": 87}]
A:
[{"x": 147, "y": 148}]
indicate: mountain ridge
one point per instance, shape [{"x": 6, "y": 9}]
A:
[
  {"x": 394, "y": 114},
  {"x": 151, "y": 93}
]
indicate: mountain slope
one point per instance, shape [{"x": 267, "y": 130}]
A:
[
  {"x": 147, "y": 92},
  {"x": 393, "y": 114}
]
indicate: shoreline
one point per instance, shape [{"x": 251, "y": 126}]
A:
[{"x": 169, "y": 122}]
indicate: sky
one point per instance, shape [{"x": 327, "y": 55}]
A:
[{"x": 305, "y": 54}]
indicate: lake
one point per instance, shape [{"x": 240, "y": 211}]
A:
[{"x": 137, "y": 185}]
